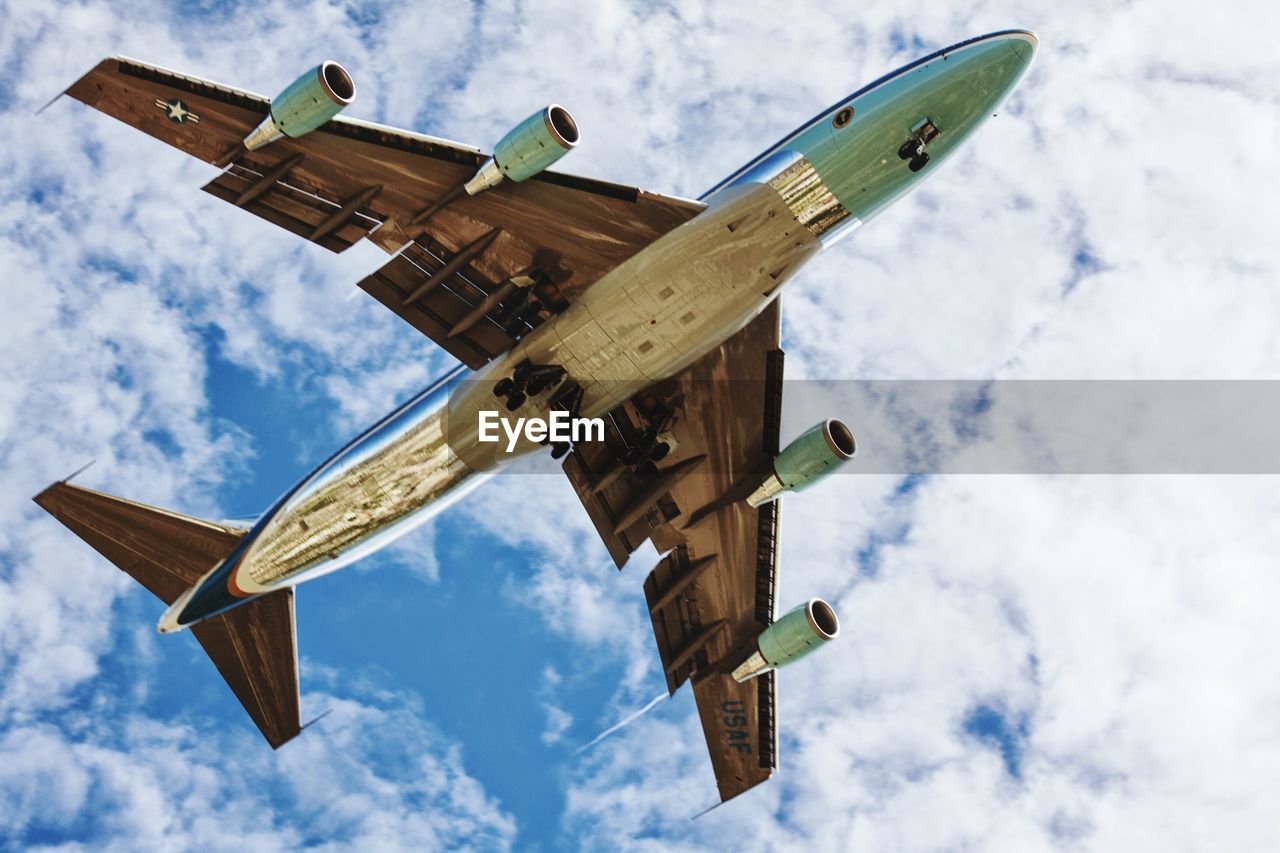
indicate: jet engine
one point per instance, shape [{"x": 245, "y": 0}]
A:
[
  {"x": 790, "y": 638},
  {"x": 307, "y": 103},
  {"x": 529, "y": 148},
  {"x": 805, "y": 461}
]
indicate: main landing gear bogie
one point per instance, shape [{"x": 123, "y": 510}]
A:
[
  {"x": 530, "y": 380},
  {"x": 654, "y": 441},
  {"x": 913, "y": 149}
]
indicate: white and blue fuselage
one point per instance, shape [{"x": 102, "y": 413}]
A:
[{"x": 644, "y": 321}]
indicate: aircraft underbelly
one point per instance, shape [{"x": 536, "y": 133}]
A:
[
  {"x": 369, "y": 494},
  {"x": 645, "y": 321},
  {"x": 670, "y": 304}
]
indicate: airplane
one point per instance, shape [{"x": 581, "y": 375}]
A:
[{"x": 656, "y": 317}]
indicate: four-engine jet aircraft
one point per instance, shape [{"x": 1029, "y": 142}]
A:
[{"x": 659, "y": 315}]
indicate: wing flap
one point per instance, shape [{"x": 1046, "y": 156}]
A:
[
  {"x": 442, "y": 294},
  {"x": 670, "y": 591},
  {"x": 294, "y": 209},
  {"x": 611, "y": 488}
]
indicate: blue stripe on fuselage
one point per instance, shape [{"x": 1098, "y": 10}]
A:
[{"x": 214, "y": 593}]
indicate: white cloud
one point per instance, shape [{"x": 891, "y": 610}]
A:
[
  {"x": 1125, "y": 621},
  {"x": 371, "y": 775},
  {"x": 1122, "y": 620},
  {"x": 1139, "y": 663},
  {"x": 114, "y": 276},
  {"x": 558, "y": 719}
]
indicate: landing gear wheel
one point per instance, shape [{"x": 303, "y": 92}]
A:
[
  {"x": 504, "y": 387},
  {"x": 515, "y": 400},
  {"x": 908, "y": 149},
  {"x": 559, "y": 449},
  {"x": 542, "y": 378},
  {"x": 522, "y": 371},
  {"x": 919, "y": 161},
  {"x": 659, "y": 451}
]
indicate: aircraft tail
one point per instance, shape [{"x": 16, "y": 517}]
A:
[
  {"x": 253, "y": 646},
  {"x": 164, "y": 551}
]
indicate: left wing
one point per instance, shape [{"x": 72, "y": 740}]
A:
[
  {"x": 474, "y": 275},
  {"x": 713, "y": 591}
]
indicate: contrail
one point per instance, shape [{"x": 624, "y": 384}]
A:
[{"x": 604, "y": 734}]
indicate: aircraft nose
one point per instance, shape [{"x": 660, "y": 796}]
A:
[{"x": 1024, "y": 43}]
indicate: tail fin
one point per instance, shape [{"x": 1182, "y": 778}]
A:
[{"x": 253, "y": 646}]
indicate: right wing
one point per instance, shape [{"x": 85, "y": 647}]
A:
[
  {"x": 253, "y": 646},
  {"x": 713, "y": 591},
  {"x": 475, "y": 275}
]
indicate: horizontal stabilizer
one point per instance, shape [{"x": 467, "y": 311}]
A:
[
  {"x": 255, "y": 648},
  {"x": 164, "y": 551},
  {"x": 253, "y": 645}
]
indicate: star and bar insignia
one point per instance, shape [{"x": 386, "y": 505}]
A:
[{"x": 177, "y": 111}]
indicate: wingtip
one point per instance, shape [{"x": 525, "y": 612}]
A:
[
  {"x": 51, "y": 102},
  {"x": 55, "y": 98},
  {"x": 316, "y": 720},
  {"x": 275, "y": 745},
  {"x": 62, "y": 482},
  {"x": 708, "y": 809},
  {"x": 78, "y": 471}
]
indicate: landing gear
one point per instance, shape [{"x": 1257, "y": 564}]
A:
[
  {"x": 655, "y": 441},
  {"x": 566, "y": 398},
  {"x": 526, "y": 318},
  {"x": 914, "y": 148},
  {"x": 528, "y": 380},
  {"x": 542, "y": 378},
  {"x": 535, "y": 298}
]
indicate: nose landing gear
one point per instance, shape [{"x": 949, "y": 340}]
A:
[{"x": 914, "y": 148}]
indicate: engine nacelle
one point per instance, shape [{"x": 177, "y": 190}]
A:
[
  {"x": 805, "y": 461},
  {"x": 307, "y": 103},
  {"x": 529, "y": 148},
  {"x": 790, "y": 638}
]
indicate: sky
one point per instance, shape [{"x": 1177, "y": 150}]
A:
[{"x": 1026, "y": 663}]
